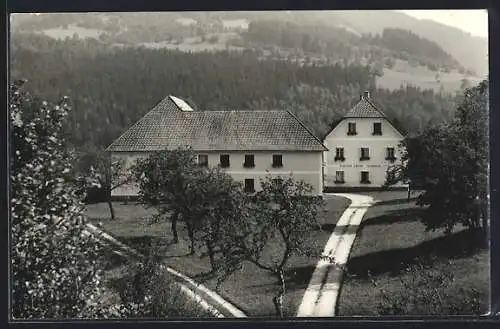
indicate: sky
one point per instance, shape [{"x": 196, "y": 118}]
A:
[{"x": 473, "y": 21}]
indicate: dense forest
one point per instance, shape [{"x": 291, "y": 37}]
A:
[
  {"x": 111, "y": 88},
  {"x": 342, "y": 45},
  {"x": 409, "y": 46}
]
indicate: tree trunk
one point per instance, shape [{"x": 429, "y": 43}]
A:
[
  {"x": 485, "y": 225},
  {"x": 191, "y": 236},
  {"x": 110, "y": 205},
  {"x": 278, "y": 300},
  {"x": 175, "y": 217},
  {"x": 210, "y": 251},
  {"x": 409, "y": 194}
]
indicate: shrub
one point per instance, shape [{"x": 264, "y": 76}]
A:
[
  {"x": 428, "y": 291},
  {"x": 149, "y": 291}
]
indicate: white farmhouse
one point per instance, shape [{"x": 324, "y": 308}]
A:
[
  {"x": 360, "y": 148},
  {"x": 247, "y": 144}
]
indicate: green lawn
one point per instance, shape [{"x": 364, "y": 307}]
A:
[
  {"x": 251, "y": 289},
  {"x": 390, "y": 239}
]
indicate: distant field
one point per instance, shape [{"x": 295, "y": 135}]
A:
[
  {"x": 404, "y": 74},
  {"x": 235, "y": 23},
  {"x": 195, "y": 44},
  {"x": 62, "y": 33}
]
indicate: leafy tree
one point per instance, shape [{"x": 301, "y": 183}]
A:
[
  {"x": 216, "y": 201},
  {"x": 55, "y": 268},
  {"x": 283, "y": 210},
  {"x": 450, "y": 163},
  {"x": 165, "y": 179}
]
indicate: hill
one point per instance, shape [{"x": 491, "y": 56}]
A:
[{"x": 319, "y": 38}]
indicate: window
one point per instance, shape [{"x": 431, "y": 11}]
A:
[
  {"x": 224, "y": 160},
  {"x": 277, "y": 181},
  {"x": 339, "y": 177},
  {"x": 249, "y": 161},
  {"x": 365, "y": 177},
  {"x": 351, "y": 129},
  {"x": 277, "y": 161},
  {"x": 339, "y": 154},
  {"x": 365, "y": 153},
  {"x": 390, "y": 154},
  {"x": 249, "y": 185},
  {"x": 377, "y": 128},
  {"x": 203, "y": 160}
]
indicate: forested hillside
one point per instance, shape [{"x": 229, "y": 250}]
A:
[
  {"x": 162, "y": 26},
  {"x": 338, "y": 44},
  {"x": 111, "y": 88}
]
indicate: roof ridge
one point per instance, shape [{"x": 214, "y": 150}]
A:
[
  {"x": 307, "y": 129},
  {"x": 240, "y": 111},
  {"x": 258, "y": 130},
  {"x": 137, "y": 122},
  {"x": 372, "y": 106},
  {"x": 375, "y": 107}
]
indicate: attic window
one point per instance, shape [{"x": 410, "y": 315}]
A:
[
  {"x": 351, "y": 128},
  {"x": 181, "y": 104},
  {"x": 377, "y": 128}
]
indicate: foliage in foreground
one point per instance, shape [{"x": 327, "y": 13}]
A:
[
  {"x": 55, "y": 268},
  {"x": 450, "y": 163},
  {"x": 148, "y": 291},
  {"x": 425, "y": 291}
]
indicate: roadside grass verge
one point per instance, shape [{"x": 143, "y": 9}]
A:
[
  {"x": 397, "y": 268},
  {"x": 250, "y": 288}
]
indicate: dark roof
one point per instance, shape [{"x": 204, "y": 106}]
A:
[
  {"x": 169, "y": 125},
  {"x": 365, "y": 108}
]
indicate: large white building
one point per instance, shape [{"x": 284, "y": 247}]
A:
[
  {"x": 360, "y": 148},
  {"x": 248, "y": 144}
]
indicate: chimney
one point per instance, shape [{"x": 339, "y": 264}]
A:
[{"x": 366, "y": 95}]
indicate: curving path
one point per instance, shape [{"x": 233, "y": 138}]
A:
[
  {"x": 321, "y": 295},
  {"x": 194, "y": 290}
]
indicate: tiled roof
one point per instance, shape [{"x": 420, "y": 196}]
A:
[
  {"x": 167, "y": 126},
  {"x": 365, "y": 108}
]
